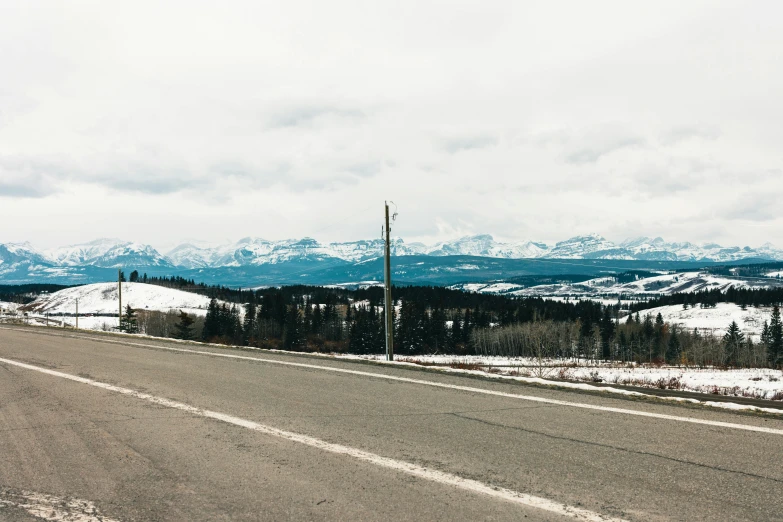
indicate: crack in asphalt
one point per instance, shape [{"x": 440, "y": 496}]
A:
[{"x": 618, "y": 448}]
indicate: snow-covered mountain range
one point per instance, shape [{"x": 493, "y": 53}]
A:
[
  {"x": 106, "y": 253},
  {"x": 249, "y": 252}
]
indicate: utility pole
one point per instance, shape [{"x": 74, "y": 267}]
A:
[
  {"x": 77, "y": 313},
  {"x": 387, "y": 287},
  {"x": 119, "y": 291}
]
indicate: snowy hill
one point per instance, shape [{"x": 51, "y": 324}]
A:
[
  {"x": 102, "y": 298},
  {"x": 608, "y": 286},
  {"x": 714, "y": 320}
]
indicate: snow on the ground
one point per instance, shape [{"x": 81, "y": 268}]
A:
[
  {"x": 763, "y": 383},
  {"x": 714, "y": 320},
  {"x": 624, "y": 303},
  {"x": 102, "y": 298},
  {"x": 8, "y": 308},
  {"x": 106, "y": 324},
  {"x": 778, "y": 275},
  {"x": 490, "y": 288},
  {"x": 663, "y": 284}
]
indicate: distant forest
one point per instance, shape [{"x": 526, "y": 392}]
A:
[
  {"x": 23, "y": 294},
  {"x": 753, "y": 270},
  {"x": 709, "y": 298},
  {"x": 430, "y": 320}
]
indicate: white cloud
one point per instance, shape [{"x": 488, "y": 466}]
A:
[{"x": 524, "y": 120}]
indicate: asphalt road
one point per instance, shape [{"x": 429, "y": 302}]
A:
[{"x": 104, "y": 421}]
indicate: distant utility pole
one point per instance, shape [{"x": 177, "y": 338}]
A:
[
  {"x": 119, "y": 291},
  {"x": 387, "y": 287},
  {"x": 77, "y": 313}
]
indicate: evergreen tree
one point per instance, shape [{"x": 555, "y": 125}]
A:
[
  {"x": 293, "y": 332},
  {"x": 765, "y": 337},
  {"x": 317, "y": 325},
  {"x": 211, "y": 322},
  {"x": 455, "y": 336},
  {"x": 280, "y": 308},
  {"x": 733, "y": 339},
  {"x": 234, "y": 326},
  {"x": 586, "y": 336},
  {"x": 775, "y": 346},
  {"x": 673, "y": 348},
  {"x": 438, "y": 340},
  {"x": 648, "y": 329},
  {"x": 308, "y": 316},
  {"x": 607, "y": 332},
  {"x": 129, "y": 323},
  {"x": 184, "y": 328},
  {"x": 467, "y": 327},
  {"x": 411, "y": 329},
  {"x": 250, "y": 325},
  {"x": 330, "y": 318}
]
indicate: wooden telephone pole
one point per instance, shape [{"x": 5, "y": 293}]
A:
[
  {"x": 387, "y": 287},
  {"x": 119, "y": 291}
]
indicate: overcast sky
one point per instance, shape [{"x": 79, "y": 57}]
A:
[{"x": 159, "y": 121}]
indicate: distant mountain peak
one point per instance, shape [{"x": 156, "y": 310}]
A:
[{"x": 252, "y": 253}]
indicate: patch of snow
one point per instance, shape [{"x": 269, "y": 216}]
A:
[{"x": 714, "y": 320}]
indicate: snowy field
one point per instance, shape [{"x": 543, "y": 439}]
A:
[
  {"x": 8, "y": 308},
  {"x": 714, "y": 320},
  {"x": 105, "y": 324},
  {"x": 662, "y": 284},
  {"x": 761, "y": 383}
]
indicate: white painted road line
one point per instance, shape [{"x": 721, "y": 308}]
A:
[
  {"x": 432, "y": 475},
  {"x": 533, "y": 398}
]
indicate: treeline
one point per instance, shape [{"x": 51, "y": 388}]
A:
[
  {"x": 636, "y": 339},
  {"x": 752, "y": 270},
  {"x": 709, "y": 298},
  {"x": 426, "y": 319},
  {"x": 429, "y": 320},
  {"x": 224, "y": 293},
  {"x": 23, "y": 294}
]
